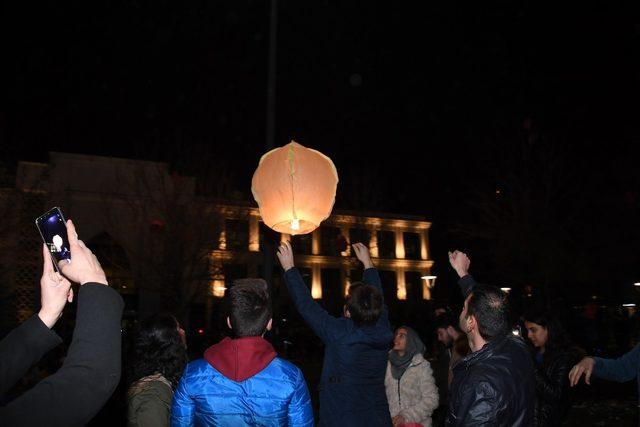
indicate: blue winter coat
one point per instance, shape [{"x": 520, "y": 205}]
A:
[
  {"x": 352, "y": 390},
  {"x": 241, "y": 383}
]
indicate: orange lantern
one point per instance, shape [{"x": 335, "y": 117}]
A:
[{"x": 295, "y": 188}]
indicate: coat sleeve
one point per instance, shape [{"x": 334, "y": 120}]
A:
[
  {"x": 428, "y": 400},
  {"x": 22, "y": 348},
  {"x": 183, "y": 407},
  {"x": 300, "y": 411},
  {"x": 90, "y": 373},
  {"x": 467, "y": 283},
  {"x": 478, "y": 406},
  {"x": 322, "y": 323},
  {"x": 552, "y": 385},
  {"x": 622, "y": 369}
]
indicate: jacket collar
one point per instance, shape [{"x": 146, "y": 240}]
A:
[
  {"x": 241, "y": 358},
  {"x": 484, "y": 353}
]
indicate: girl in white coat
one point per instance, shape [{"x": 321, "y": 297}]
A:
[{"x": 411, "y": 390}]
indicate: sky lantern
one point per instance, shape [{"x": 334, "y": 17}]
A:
[{"x": 295, "y": 188}]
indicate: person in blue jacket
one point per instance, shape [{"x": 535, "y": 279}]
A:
[
  {"x": 241, "y": 381},
  {"x": 623, "y": 369},
  {"x": 352, "y": 390}
]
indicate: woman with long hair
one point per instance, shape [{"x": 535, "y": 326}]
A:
[
  {"x": 159, "y": 357},
  {"x": 411, "y": 390},
  {"x": 553, "y": 358}
]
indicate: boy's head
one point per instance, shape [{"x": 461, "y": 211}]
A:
[
  {"x": 364, "y": 304},
  {"x": 249, "y": 308}
]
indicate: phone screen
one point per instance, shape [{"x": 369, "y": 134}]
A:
[{"x": 53, "y": 230}]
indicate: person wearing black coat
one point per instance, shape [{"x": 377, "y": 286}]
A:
[
  {"x": 91, "y": 371},
  {"x": 553, "y": 360},
  {"x": 494, "y": 385}
]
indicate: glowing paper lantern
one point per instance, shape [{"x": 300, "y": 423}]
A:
[{"x": 295, "y": 188}]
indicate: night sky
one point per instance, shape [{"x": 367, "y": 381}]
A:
[{"x": 513, "y": 126}]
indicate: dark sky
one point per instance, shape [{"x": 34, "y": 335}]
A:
[{"x": 426, "y": 104}]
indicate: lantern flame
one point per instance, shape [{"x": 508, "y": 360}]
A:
[{"x": 295, "y": 224}]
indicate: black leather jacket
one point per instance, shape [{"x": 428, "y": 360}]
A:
[
  {"x": 552, "y": 388},
  {"x": 494, "y": 386}
]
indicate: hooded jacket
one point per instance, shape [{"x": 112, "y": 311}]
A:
[{"x": 241, "y": 382}]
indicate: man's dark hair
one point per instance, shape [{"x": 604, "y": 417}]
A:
[
  {"x": 489, "y": 306},
  {"x": 249, "y": 307},
  {"x": 364, "y": 303},
  {"x": 443, "y": 321}
]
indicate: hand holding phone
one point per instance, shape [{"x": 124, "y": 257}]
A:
[
  {"x": 63, "y": 245},
  {"x": 84, "y": 266}
]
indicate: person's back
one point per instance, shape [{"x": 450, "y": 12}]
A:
[
  {"x": 352, "y": 390},
  {"x": 502, "y": 371},
  {"x": 224, "y": 389},
  {"x": 241, "y": 382},
  {"x": 352, "y": 381},
  {"x": 158, "y": 359}
]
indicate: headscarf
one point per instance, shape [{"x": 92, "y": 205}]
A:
[{"x": 399, "y": 364}]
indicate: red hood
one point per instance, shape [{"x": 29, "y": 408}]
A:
[{"x": 241, "y": 358}]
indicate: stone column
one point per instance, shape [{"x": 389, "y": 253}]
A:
[
  {"x": 424, "y": 244},
  {"x": 254, "y": 234},
  {"x": 399, "y": 244},
  {"x": 316, "y": 282}
]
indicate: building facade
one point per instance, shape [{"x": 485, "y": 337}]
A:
[{"x": 113, "y": 202}]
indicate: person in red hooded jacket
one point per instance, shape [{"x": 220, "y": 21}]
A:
[{"x": 241, "y": 381}]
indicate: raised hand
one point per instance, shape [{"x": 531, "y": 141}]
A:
[
  {"x": 285, "y": 255},
  {"x": 362, "y": 253},
  {"x": 55, "y": 291},
  {"x": 585, "y": 366},
  {"x": 460, "y": 262},
  {"x": 84, "y": 266}
]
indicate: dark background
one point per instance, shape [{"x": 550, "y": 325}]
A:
[{"x": 512, "y": 126}]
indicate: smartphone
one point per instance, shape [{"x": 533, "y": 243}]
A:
[{"x": 53, "y": 229}]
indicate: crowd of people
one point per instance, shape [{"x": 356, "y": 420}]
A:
[{"x": 372, "y": 375}]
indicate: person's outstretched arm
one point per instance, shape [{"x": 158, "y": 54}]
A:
[
  {"x": 91, "y": 371},
  {"x": 460, "y": 262},
  {"x": 300, "y": 411},
  {"x": 26, "y": 344},
  {"x": 322, "y": 323},
  {"x": 622, "y": 369}
]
